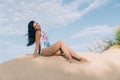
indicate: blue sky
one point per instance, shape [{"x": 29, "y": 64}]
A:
[{"x": 80, "y": 23}]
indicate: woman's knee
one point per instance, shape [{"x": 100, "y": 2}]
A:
[{"x": 61, "y": 42}]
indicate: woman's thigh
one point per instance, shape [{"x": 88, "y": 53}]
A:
[
  {"x": 58, "y": 53},
  {"x": 52, "y": 49}
]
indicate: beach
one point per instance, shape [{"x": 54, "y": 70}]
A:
[{"x": 104, "y": 66}]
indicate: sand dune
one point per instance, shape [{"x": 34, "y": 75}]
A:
[{"x": 104, "y": 66}]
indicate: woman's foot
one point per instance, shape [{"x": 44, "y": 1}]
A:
[
  {"x": 83, "y": 59},
  {"x": 70, "y": 60}
]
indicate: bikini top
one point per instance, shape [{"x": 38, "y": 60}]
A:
[{"x": 44, "y": 40}]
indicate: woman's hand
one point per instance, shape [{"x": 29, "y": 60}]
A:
[{"x": 35, "y": 55}]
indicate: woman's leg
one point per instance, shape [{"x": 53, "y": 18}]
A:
[
  {"x": 58, "y": 53},
  {"x": 73, "y": 54},
  {"x": 76, "y": 56},
  {"x": 55, "y": 47}
]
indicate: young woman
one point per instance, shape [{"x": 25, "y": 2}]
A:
[{"x": 35, "y": 35}]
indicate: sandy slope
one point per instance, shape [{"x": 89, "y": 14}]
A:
[{"x": 101, "y": 67}]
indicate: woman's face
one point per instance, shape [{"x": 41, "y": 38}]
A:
[{"x": 36, "y": 25}]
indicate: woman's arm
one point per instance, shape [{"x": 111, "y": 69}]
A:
[{"x": 37, "y": 39}]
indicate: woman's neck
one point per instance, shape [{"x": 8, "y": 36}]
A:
[{"x": 38, "y": 29}]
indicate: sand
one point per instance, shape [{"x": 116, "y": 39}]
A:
[{"x": 105, "y": 66}]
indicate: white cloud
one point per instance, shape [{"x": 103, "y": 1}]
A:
[
  {"x": 95, "y": 30},
  {"x": 49, "y": 13},
  {"x": 9, "y": 50},
  {"x": 94, "y": 35},
  {"x": 7, "y": 47},
  {"x": 95, "y": 4},
  {"x": 79, "y": 48},
  {"x": 116, "y": 5}
]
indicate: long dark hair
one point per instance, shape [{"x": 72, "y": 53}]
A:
[{"x": 31, "y": 35}]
